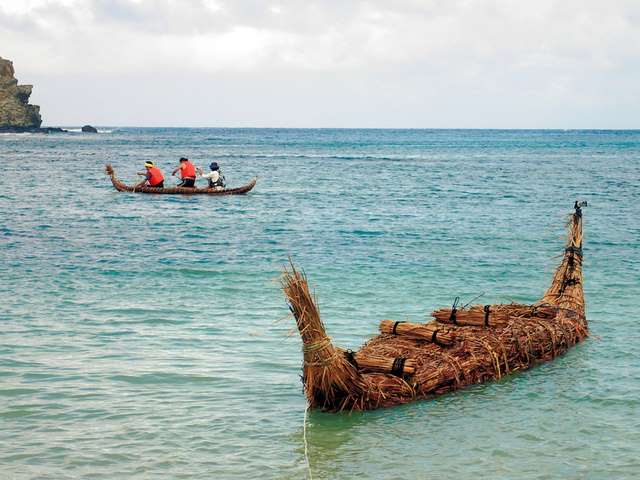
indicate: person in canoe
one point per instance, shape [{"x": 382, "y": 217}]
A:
[
  {"x": 214, "y": 177},
  {"x": 153, "y": 176},
  {"x": 187, "y": 173}
]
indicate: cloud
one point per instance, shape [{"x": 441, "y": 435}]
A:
[
  {"x": 576, "y": 52},
  {"x": 211, "y": 35}
]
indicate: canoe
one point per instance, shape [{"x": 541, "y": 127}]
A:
[
  {"x": 460, "y": 346},
  {"x": 122, "y": 187}
]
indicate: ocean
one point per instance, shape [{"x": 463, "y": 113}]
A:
[{"x": 147, "y": 336}]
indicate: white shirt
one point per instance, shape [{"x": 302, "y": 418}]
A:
[{"x": 213, "y": 176}]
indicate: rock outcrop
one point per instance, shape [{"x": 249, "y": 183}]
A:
[
  {"x": 89, "y": 129},
  {"x": 15, "y": 110}
]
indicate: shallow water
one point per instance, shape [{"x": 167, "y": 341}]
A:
[{"x": 147, "y": 337}]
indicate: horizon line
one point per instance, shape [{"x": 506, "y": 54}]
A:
[{"x": 346, "y": 128}]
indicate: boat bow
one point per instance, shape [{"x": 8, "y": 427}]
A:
[{"x": 566, "y": 291}]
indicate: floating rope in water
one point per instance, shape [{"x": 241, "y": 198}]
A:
[{"x": 304, "y": 438}]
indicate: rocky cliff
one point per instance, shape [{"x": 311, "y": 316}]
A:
[{"x": 15, "y": 110}]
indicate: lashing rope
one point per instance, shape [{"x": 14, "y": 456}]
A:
[
  {"x": 320, "y": 344},
  {"x": 395, "y": 326},
  {"x": 308, "y": 349},
  {"x": 434, "y": 338},
  {"x": 398, "y": 366},
  {"x": 452, "y": 317},
  {"x": 487, "y": 311},
  {"x": 351, "y": 358}
]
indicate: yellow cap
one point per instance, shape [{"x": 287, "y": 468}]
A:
[{"x": 148, "y": 164}]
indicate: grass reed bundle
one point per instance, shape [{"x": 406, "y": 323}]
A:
[
  {"x": 330, "y": 381},
  {"x": 566, "y": 290},
  {"x": 430, "y": 332},
  {"x": 497, "y": 315},
  {"x": 391, "y": 365}
]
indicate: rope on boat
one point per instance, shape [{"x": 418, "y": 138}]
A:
[
  {"x": 578, "y": 206},
  {"x": 322, "y": 363},
  {"x": 398, "y": 366},
  {"x": 454, "y": 309},
  {"x": 351, "y": 358},
  {"x": 314, "y": 347},
  {"x": 472, "y": 300},
  {"x": 576, "y": 250},
  {"x": 320, "y": 344}
]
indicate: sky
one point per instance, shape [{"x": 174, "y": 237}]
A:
[{"x": 333, "y": 63}]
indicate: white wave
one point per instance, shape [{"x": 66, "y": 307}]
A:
[{"x": 79, "y": 130}]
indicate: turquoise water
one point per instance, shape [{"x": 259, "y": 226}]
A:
[{"x": 147, "y": 337}]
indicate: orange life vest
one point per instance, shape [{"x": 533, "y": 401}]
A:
[
  {"x": 155, "y": 176},
  {"x": 187, "y": 170}
]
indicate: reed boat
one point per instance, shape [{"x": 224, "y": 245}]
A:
[
  {"x": 460, "y": 346},
  {"x": 122, "y": 187}
]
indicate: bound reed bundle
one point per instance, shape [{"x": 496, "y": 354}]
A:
[
  {"x": 329, "y": 379},
  {"x": 430, "y": 332},
  {"x": 566, "y": 290},
  {"x": 392, "y": 365},
  {"x": 496, "y": 315}
]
